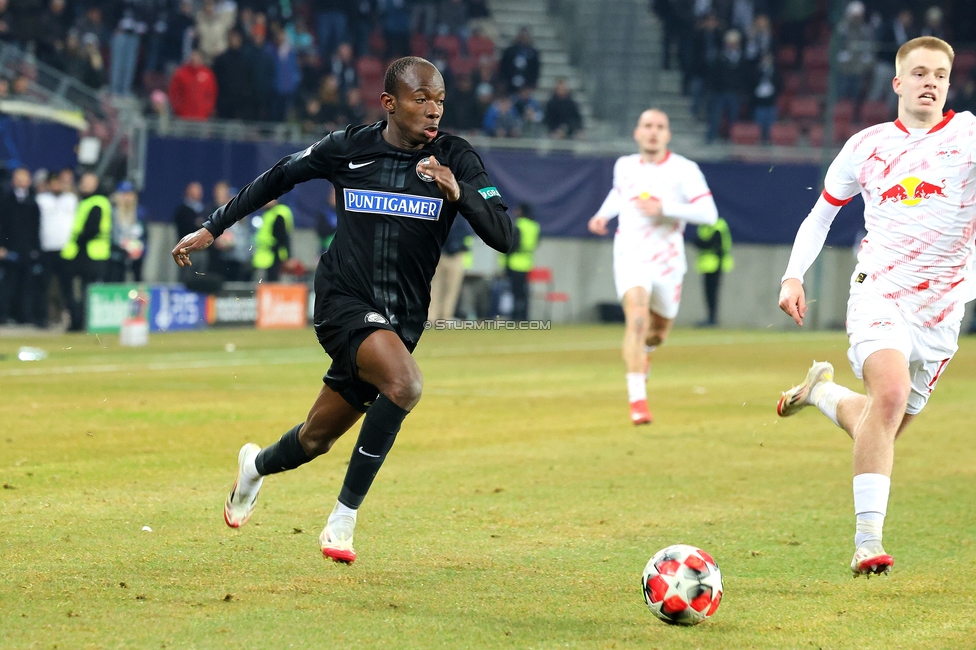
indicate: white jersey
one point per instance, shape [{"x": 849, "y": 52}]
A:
[
  {"x": 919, "y": 191},
  {"x": 57, "y": 218},
  {"x": 680, "y": 186}
]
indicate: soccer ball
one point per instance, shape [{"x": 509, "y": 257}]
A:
[{"x": 682, "y": 585}]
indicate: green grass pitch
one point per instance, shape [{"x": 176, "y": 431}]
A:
[{"x": 517, "y": 509}]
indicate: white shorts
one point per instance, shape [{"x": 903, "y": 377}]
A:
[
  {"x": 664, "y": 290},
  {"x": 877, "y": 324}
]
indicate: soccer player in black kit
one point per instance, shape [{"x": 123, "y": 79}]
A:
[{"x": 399, "y": 186}]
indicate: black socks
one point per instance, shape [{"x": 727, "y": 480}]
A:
[
  {"x": 283, "y": 455},
  {"x": 380, "y": 427}
]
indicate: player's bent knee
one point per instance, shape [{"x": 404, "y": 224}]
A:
[
  {"x": 891, "y": 400},
  {"x": 405, "y": 391},
  {"x": 655, "y": 339}
]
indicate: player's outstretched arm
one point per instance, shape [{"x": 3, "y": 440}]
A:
[
  {"x": 318, "y": 161},
  {"x": 792, "y": 300}
]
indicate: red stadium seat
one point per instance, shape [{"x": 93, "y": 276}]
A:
[
  {"x": 844, "y": 110},
  {"x": 370, "y": 69},
  {"x": 964, "y": 62},
  {"x": 480, "y": 45},
  {"x": 418, "y": 45},
  {"x": 792, "y": 82},
  {"x": 817, "y": 82},
  {"x": 805, "y": 110},
  {"x": 448, "y": 43},
  {"x": 816, "y": 135},
  {"x": 816, "y": 57},
  {"x": 745, "y": 133},
  {"x": 875, "y": 113},
  {"x": 463, "y": 65},
  {"x": 786, "y": 56},
  {"x": 784, "y": 134}
]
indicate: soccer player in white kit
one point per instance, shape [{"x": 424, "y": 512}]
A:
[
  {"x": 917, "y": 177},
  {"x": 655, "y": 192}
]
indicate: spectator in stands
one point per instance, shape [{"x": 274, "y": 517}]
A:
[
  {"x": 676, "y": 18},
  {"x": 133, "y": 23},
  {"x": 501, "y": 119},
  {"x": 128, "y": 235},
  {"x": 529, "y": 111},
  {"x": 344, "y": 67},
  {"x": 355, "y": 109},
  {"x": 311, "y": 115},
  {"x": 452, "y": 18},
  {"x": 855, "y": 52},
  {"x": 84, "y": 60},
  {"x": 965, "y": 98},
  {"x": 520, "y": 63},
  {"x": 395, "y": 18},
  {"x": 93, "y": 22},
  {"x": 263, "y": 65},
  {"x": 233, "y": 258},
  {"x": 287, "y": 74},
  {"x": 6, "y": 21},
  {"x": 765, "y": 91},
  {"x": 759, "y": 38},
  {"x": 361, "y": 20},
  {"x": 26, "y": 21},
  {"x": 20, "y": 89},
  {"x": 332, "y": 21},
  {"x": 55, "y": 23},
  {"x": 179, "y": 35},
  {"x": 88, "y": 248},
  {"x": 233, "y": 76},
  {"x": 707, "y": 48},
  {"x": 891, "y": 35},
  {"x": 213, "y": 25},
  {"x": 727, "y": 84},
  {"x": 933, "y": 23},
  {"x": 562, "y": 112},
  {"x": 332, "y": 106},
  {"x": 193, "y": 89},
  {"x": 58, "y": 206},
  {"x": 423, "y": 17},
  {"x": 190, "y": 214},
  {"x": 21, "y": 272},
  {"x": 463, "y": 114},
  {"x": 794, "y": 18}
]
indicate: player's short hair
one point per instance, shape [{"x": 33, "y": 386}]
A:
[
  {"x": 923, "y": 42},
  {"x": 391, "y": 80}
]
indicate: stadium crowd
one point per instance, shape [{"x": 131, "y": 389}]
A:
[
  {"x": 758, "y": 71},
  {"x": 316, "y": 62}
]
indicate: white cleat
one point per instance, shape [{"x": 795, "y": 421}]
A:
[
  {"x": 870, "y": 558},
  {"x": 336, "y": 539},
  {"x": 793, "y": 400},
  {"x": 239, "y": 506}
]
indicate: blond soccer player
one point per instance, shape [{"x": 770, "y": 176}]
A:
[
  {"x": 655, "y": 193},
  {"x": 917, "y": 177}
]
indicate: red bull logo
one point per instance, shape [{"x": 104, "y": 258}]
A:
[{"x": 911, "y": 191}]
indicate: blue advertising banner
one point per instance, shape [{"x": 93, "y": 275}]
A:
[{"x": 172, "y": 307}]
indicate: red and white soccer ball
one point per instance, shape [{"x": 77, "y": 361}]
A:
[{"x": 682, "y": 585}]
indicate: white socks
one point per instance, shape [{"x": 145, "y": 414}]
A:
[
  {"x": 249, "y": 472},
  {"x": 826, "y": 396},
  {"x": 870, "y": 506},
  {"x": 636, "y": 386},
  {"x": 250, "y": 481}
]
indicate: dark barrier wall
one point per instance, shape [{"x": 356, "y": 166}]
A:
[
  {"x": 763, "y": 203},
  {"x": 36, "y": 144}
]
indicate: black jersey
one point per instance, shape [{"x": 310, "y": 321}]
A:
[{"x": 391, "y": 221}]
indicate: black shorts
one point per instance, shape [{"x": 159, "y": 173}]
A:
[{"x": 341, "y": 326}]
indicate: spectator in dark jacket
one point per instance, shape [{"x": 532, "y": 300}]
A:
[
  {"x": 20, "y": 253},
  {"x": 233, "y": 74},
  {"x": 727, "y": 84},
  {"x": 344, "y": 67},
  {"x": 190, "y": 214},
  {"x": 520, "y": 63},
  {"x": 463, "y": 113},
  {"x": 765, "y": 90},
  {"x": 562, "y": 113},
  {"x": 262, "y": 65}
]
